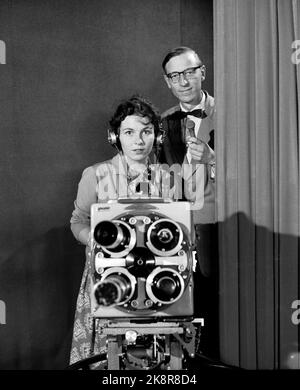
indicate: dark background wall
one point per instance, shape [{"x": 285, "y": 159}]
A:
[{"x": 68, "y": 63}]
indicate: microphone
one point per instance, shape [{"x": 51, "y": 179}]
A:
[{"x": 189, "y": 129}]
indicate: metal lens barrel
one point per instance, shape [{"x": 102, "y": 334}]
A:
[
  {"x": 113, "y": 290},
  {"x": 164, "y": 285},
  {"x": 111, "y": 235},
  {"x": 164, "y": 237}
]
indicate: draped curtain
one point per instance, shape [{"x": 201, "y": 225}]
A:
[{"x": 257, "y": 87}]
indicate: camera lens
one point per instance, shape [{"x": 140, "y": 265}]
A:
[
  {"x": 112, "y": 290},
  {"x": 164, "y": 285},
  {"x": 106, "y": 293},
  {"x": 111, "y": 235},
  {"x": 164, "y": 237}
]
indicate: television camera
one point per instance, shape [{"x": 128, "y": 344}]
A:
[{"x": 142, "y": 282}]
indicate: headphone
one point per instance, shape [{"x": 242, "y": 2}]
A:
[{"x": 114, "y": 140}]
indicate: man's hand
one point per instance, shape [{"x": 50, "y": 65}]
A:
[{"x": 200, "y": 151}]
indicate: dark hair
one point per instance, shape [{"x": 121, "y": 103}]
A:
[
  {"x": 136, "y": 105},
  {"x": 177, "y": 52}
]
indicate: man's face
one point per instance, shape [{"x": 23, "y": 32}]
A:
[{"x": 188, "y": 88}]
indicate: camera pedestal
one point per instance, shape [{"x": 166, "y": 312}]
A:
[{"x": 171, "y": 341}]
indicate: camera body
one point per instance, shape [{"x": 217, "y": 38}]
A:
[{"x": 142, "y": 260}]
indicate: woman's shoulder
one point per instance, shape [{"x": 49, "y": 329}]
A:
[
  {"x": 101, "y": 168},
  {"x": 91, "y": 171}
]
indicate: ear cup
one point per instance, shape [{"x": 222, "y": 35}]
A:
[
  {"x": 113, "y": 139},
  {"x": 159, "y": 140}
]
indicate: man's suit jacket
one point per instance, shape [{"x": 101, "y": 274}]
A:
[{"x": 174, "y": 151}]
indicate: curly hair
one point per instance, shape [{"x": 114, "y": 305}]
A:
[{"x": 136, "y": 105}]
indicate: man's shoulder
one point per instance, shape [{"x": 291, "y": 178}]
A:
[
  {"x": 209, "y": 105},
  {"x": 170, "y": 111}
]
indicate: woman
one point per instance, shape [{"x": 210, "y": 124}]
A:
[
  {"x": 135, "y": 133},
  {"x": 134, "y": 130}
]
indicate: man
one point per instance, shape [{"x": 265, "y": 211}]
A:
[
  {"x": 184, "y": 74},
  {"x": 189, "y": 142}
]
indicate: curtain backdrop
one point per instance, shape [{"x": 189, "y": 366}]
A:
[{"x": 257, "y": 90}]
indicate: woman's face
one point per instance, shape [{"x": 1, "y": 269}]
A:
[{"x": 137, "y": 138}]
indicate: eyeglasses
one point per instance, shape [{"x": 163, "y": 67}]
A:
[{"x": 188, "y": 74}]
